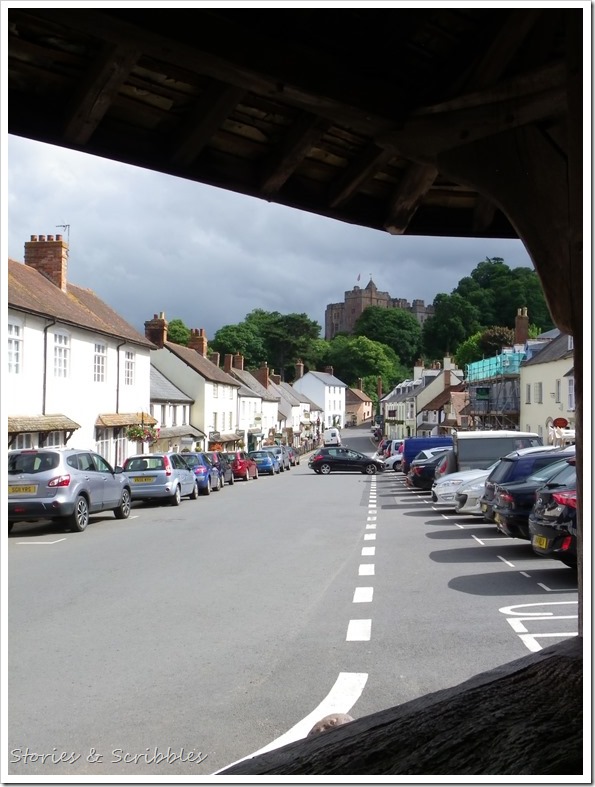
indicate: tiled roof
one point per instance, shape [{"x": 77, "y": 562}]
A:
[
  {"x": 125, "y": 419},
  {"x": 200, "y": 364},
  {"x": 40, "y": 423},
  {"x": 29, "y": 291},
  {"x": 163, "y": 390},
  {"x": 443, "y": 398},
  {"x": 355, "y": 395},
  {"x": 180, "y": 431}
]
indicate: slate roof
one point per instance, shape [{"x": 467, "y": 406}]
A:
[
  {"x": 328, "y": 379},
  {"x": 554, "y": 350},
  {"x": 163, "y": 390},
  {"x": 250, "y": 381},
  {"x": 284, "y": 403},
  {"x": 31, "y": 292},
  {"x": 200, "y": 364},
  {"x": 290, "y": 394}
]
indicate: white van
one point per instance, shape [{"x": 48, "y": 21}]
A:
[
  {"x": 479, "y": 449},
  {"x": 331, "y": 437}
]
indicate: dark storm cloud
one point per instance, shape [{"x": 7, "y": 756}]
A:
[{"x": 147, "y": 243}]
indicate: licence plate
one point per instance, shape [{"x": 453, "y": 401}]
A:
[
  {"x": 541, "y": 541},
  {"x": 144, "y": 479},
  {"x": 13, "y": 489}
]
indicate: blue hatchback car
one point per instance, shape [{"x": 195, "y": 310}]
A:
[
  {"x": 207, "y": 475},
  {"x": 266, "y": 462}
]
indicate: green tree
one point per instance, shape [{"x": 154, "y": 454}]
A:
[
  {"x": 453, "y": 321},
  {"x": 355, "y": 357},
  {"x": 396, "y": 328},
  {"x": 493, "y": 339},
  {"x": 178, "y": 332},
  {"x": 240, "y": 338},
  {"x": 285, "y": 337},
  {"x": 468, "y": 351}
]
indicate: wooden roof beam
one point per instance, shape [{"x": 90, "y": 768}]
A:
[
  {"x": 96, "y": 92},
  {"x": 206, "y": 117},
  {"x": 302, "y": 136}
]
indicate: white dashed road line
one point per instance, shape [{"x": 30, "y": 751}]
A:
[
  {"x": 359, "y": 631},
  {"x": 363, "y": 595}
]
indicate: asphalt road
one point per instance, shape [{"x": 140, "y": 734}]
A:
[{"x": 184, "y": 639}]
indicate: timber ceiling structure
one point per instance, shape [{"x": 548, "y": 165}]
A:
[{"x": 340, "y": 112}]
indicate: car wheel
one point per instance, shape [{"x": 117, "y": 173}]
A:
[
  {"x": 325, "y": 469},
  {"x": 123, "y": 510},
  {"x": 369, "y": 469},
  {"x": 194, "y": 494},
  {"x": 256, "y": 474},
  {"x": 207, "y": 489},
  {"x": 247, "y": 476},
  {"x": 177, "y": 497},
  {"x": 218, "y": 487},
  {"x": 79, "y": 519},
  {"x": 10, "y": 526},
  {"x": 231, "y": 481}
]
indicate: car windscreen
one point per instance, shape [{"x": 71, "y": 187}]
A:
[
  {"x": 563, "y": 477},
  {"x": 545, "y": 473}
]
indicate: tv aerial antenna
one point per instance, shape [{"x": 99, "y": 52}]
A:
[{"x": 67, "y": 228}]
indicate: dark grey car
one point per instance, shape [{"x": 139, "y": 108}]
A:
[{"x": 63, "y": 484}]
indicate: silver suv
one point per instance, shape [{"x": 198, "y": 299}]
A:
[{"x": 63, "y": 484}]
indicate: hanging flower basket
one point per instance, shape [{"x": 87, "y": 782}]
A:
[{"x": 142, "y": 433}]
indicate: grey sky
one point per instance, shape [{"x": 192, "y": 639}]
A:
[{"x": 146, "y": 243}]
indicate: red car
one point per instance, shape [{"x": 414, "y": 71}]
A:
[{"x": 242, "y": 466}]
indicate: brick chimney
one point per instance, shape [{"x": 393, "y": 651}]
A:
[
  {"x": 215, "y": 358},
  {"x": 276, "y": 378},
  {"x": 418, "y": 369},
  {"x": 329, "y": 370},
  {"x": 198, "y": 341},
  {"x": 228, "y": 362},
  {"x": 447, "y": 382},
  {"x": 299, "y": 369},
  {"x": 521, "y": 326},
  {"x": 156, "y": 329},
  {"x": 360, "y": 384},
  {"x": 238, "y": 362},
  {"x": 262, "y": 374},
  {"x": 49, "y": 257}
]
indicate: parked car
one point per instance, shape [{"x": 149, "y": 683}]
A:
[
  {"x": 64, "y": 485},
  {"x": 413, "y": 445},
  {"x": 468, "y": 494},
  {"x": 341, "y": 459},
  {"x": 266, "y": 461},
  {"x": 552, "y": 521},
  {"x": 513, "y": 501},
  {"x": 208, "y": 477},
  {"x": 282, "y": 455},
  {"x": 243, "y": 467},
  {"x": 160, "y": 476},
  {"x": 294, "y": 457},
  {"x": 515, "y": 466},
  {"x": 331, "y": 436},
  {"x": 393, "y": 454},
  {"x": 421, "y": 469},
  {"x": 223, "y": 465},
  {"x": 444, "y": 489}
]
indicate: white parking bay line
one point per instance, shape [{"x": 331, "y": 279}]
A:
[
  {"x": 366, "y": 569},
  {"x": 359, "y": 631},
  {"x": 41, "y": 542},
  {"x": 341, "y": 698},
  {"x": 363, "y": 595}
]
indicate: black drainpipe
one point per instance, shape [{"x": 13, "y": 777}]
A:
[
  {"x": 45, "y": 364},
  {"x": 118, "y": 376}
]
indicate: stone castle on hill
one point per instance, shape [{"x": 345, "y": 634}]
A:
[{"x": 341, "y": 317}]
